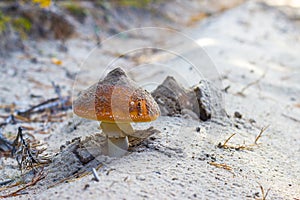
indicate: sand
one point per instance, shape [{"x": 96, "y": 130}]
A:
[{"x": 250, "y": 53}]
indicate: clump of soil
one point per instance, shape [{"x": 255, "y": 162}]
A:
[
  {"x": 81, "y": 155},
  {"x": 77, "y": 157},
  {"x": 202, "y": 101},
  {"x": 171, "y": 97}
]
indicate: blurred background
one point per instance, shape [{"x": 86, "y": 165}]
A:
[{"x": 61, "y": 20}]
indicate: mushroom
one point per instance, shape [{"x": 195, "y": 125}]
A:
[{"x": 116, "y": 101}]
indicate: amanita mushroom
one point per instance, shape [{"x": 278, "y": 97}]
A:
[{"x": 116, "y": 101}]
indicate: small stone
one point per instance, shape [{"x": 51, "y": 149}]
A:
[
  {"x": 252, "y": 121},
  {"x": 198, "y": 129},
  {"x": 141, "y": 178},
  {"x": 86, "y": 186},
  {"x": 199, "y": 102},
  {"x": 237, "y": 115},
  {"x": 152, "y": 138},
  {"x": 62, "y": 147},
  {"x": 84, "y": 155},
  {"x": 34, "y": 60}
]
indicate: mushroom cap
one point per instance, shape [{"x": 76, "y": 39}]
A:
[{"x": 116, "y": 99}]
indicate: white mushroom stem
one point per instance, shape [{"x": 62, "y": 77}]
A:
[
  {"x": 117, "y": 137},
  {"x": 117, "y": 147}
]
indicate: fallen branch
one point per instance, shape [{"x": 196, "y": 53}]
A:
[{"x": 53, "y": 104}]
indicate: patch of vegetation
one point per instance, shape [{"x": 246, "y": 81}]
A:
[
  {"x": 42, "y": 3},
  {"x": 128, "y": 3},
  {"x": 4, "y": 20},
  {"x": 76, "y": 10},
  {"x": 134, "y": 4},
  {"x": 22, "y": 26},
  {"x": 19, "y": 24}
]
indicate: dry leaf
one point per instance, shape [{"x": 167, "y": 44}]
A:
[
  {"x": 43, "y": 3},
  {"x": 297, "y": 105},
  {"x": 56, "y": 61},
  {"x": 196, "y": 18}
]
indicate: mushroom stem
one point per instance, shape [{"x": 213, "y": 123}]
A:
[
  {"x": 117, "y": 137},
  {"x": 117, "y": 147}
]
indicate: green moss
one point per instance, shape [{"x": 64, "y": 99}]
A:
[
  {"x": 134, "y": 3},
  {"x": 4, "y": 20},
  {"x": 76, "y": 10},
  {"x": 126, "y": 3},
  {"x": 21, "y": 25}
]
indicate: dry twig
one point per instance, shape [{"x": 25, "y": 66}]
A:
[
  {"x": 39, "y": 176},
  {"x": 264, "y": 195},
  {"x": 238, "y": 147},
  {"x": 74, "y": 177},
  {"x": 260, "y": 134},
  {"x": 53, "y": 105},
  {"x": 95, "y": 174},
  {"x": 5, "y": 182},
  {"x": 26, "y": 156},
  {"x": 221, "y": 165},
  {"x": 290, "y": 117},
  {"x": 241, "y": 93},
  {"x": 242, "y": 147}
]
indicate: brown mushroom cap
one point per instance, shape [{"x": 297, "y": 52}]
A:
[{"x": 116, "y": 99}]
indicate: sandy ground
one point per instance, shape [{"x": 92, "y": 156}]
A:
[{"x": 251, "y": 49}]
